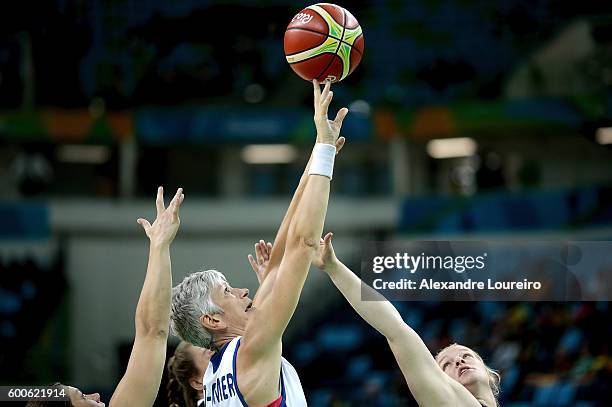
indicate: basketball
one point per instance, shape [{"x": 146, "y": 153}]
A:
[{"x": 324, "y": 41}]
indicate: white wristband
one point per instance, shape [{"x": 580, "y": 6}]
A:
[{"x": 322, "y": 163}]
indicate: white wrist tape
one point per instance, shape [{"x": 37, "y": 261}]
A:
[{"x": 322, "y": 163}]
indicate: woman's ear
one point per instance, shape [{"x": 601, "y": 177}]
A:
[
  {"x": 196, "y": 384},
  {"x": 213, "y": 322}
]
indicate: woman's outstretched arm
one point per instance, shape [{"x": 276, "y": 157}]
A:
[
  {"x": 140, "y": 383},
  {"x": 429, "y": 385}
]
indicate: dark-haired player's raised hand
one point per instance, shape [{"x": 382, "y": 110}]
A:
[{"x": 259, "y": 263}]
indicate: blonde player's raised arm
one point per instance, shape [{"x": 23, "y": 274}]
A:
[
  {"x": 458, "y": 378},
  {"x": 140, "y": 383}
]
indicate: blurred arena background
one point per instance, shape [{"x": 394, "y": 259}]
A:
[{"x": 469, "y": 120}]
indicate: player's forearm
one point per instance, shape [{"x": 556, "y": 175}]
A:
[
  {"x": 425, "y": 379},
  {"x": 307, "y": 224},
  {"x": 297, "y": 195},
  {"x": 153, "y": 309},
  {"x": 281, "y": 236},
  {"x": 377, "y": 311}
]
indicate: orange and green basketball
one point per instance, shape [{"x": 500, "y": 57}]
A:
[{"x": 324, "y": 41}]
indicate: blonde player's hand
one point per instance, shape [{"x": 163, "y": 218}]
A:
[
  {"x": 328, "y": 131},
  {"x": 261, "y": 260},
  {"x": 164, "y": 228},
  {"x": 325, "y": 259}
]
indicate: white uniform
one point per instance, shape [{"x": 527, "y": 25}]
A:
[{"x": 222, "y": 390}]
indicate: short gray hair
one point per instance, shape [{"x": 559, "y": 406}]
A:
[{"x": 191, "y": 299}]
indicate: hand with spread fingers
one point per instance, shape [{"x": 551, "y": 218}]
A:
[
  {"x": 261, "y": 260},
  {"x": 152, "y": 318},
  {"x": 328, "y": 131},
  {"x": 164, "y": 228}
]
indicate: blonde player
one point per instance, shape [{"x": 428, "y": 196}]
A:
[
  {"x": 457, "y": 376},
  {"x": 248, "y": 369}
]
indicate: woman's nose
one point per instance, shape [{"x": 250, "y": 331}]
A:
[{"x": 95, "y": 397}]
